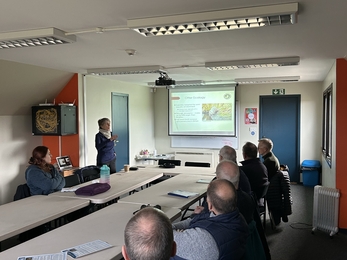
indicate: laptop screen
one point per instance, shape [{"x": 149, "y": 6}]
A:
[{"x": 64, "y": 162}]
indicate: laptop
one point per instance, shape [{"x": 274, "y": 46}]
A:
[{"x": 64, "y": 163}]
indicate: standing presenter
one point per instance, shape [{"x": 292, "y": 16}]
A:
[{"x": 104, "y": 143}]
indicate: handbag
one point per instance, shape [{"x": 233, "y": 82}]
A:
[{"x": 93, "y": 189}]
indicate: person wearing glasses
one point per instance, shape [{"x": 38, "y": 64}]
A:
[{"x": 271, "y": 162}]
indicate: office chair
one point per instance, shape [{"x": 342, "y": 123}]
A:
[
  {"x": 262, "y": 208},
  {"x": 22, "y": 192},
  {"x": 89, "y": 173},
  {"x": 197, "y": 164},
  {"x": 72, "y": 180}
]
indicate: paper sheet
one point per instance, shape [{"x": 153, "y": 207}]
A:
[
  {"x": 56, "y": 256},
  {"x": 87, "y": 248},
  {"x": 204, "y": 181},
  {"x": 72, "y": 189}
]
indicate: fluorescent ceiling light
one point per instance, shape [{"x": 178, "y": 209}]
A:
[
  {"x": 221, "y": 20},
  {"x": 125, "y": 70},
  {"x": 250, "y": 64},
  {"x": 38, "y": 37},
  {"x": 267, "y": 80}
]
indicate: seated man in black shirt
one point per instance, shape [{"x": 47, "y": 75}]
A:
[{"x": 254, "y": 169}]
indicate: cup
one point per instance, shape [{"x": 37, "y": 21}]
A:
[{"x": 126, "y": 167}]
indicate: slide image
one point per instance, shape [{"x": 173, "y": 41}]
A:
[{"x": 216, "y": 111}]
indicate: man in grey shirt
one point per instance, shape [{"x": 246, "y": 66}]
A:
[{"x": 220, "y": 233}]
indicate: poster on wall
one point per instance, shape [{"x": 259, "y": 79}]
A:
[{"x": 251, "y": 116}]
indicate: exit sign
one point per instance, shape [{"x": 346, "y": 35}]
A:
[{"x": 278, "y": 91}]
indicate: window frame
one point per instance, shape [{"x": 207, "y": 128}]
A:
[{"x": 327, "y": 124}]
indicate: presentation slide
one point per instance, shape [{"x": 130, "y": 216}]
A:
[{"x": 207, "y": 111}]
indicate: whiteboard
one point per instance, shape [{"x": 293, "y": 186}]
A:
[{"x": 212, "y": 142}]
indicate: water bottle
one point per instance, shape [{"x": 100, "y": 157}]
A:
[{"x": 105, "y": 174}]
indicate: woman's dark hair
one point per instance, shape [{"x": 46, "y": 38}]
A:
[{"x": 38, "y": 154}]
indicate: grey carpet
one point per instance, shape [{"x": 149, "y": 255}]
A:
[{"x": 293, "y": 240}]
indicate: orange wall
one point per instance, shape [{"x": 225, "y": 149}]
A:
[
  {"x": 69, "y": 143},
  {"x": 341, "y": 138}
]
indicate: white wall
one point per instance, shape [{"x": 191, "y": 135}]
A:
[
  {"x": 329, "y": 173},
  {"x": 16, "y": 146},
  {"x": 248, "y": 96},
  {"x": 311, "y": 114},
  {"x": 98, "y": 104}
]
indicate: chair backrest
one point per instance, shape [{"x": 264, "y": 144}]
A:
[
  {"x": 261, "y": 192},
  {"x": 71, "y": 180},
  {"x": 90, "y": 173},
  {"x": 197, "y": 164},
  {"x": 174, "y": 162},
  {"x": 22, "y": 192}
]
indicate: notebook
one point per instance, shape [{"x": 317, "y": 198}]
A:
[
  {"x": 64, "y": 163},
  {"x": 182, "y": 193}
]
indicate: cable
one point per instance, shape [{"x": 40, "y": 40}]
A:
[{"x": 304, "y": 225}]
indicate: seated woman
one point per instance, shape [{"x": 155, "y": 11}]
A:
[{"x": 41, "y": 176}]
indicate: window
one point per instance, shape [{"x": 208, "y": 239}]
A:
[{"x": 327, "y": 124}]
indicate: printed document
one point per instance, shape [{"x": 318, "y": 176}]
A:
[
  {"x": 87, "y": 248},
  {"x": 56, "y": 256}
]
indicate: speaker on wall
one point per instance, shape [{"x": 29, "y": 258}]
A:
[{"x": 54, "y": 120}]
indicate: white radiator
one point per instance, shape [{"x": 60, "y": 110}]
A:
[
  {"x": 325, "y": 209},
  {"x": 195, "y": 157}
]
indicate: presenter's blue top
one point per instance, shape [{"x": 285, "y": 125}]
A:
[{"x": 105, "y": 149}]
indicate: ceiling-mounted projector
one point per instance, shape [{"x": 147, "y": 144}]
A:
[{"x": 164, "y": 80}]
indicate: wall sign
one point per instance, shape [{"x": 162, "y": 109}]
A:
[
  {"x": 278, "y": 91},
  {"x": 251, "y": 116}
]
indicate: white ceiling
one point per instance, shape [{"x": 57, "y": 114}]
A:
[{"x": 319, "y": 37}]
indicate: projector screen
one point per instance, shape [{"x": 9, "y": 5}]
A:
[{"x": 202, "y": 111}]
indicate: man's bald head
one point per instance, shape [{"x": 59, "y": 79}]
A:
[
  {"x": 221, "y": 196},
  {"x": 149, "y": 235},
  {"x": 228, "y": 170},
  {"x": 227, "y": 153}
]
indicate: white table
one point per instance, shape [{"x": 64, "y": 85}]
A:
[
  {"x": 22, "y": 215},
  {"x": 121, "y": 183},
  {"x": 106, "y": 224},
  {"x": 158, "y": 193},
  {"x": 177, "y": 170}
]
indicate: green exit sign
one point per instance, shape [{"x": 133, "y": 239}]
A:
[{"x": 278, "y": 91}]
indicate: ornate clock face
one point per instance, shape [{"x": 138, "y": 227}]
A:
[{"x": 47, "y": 120}]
